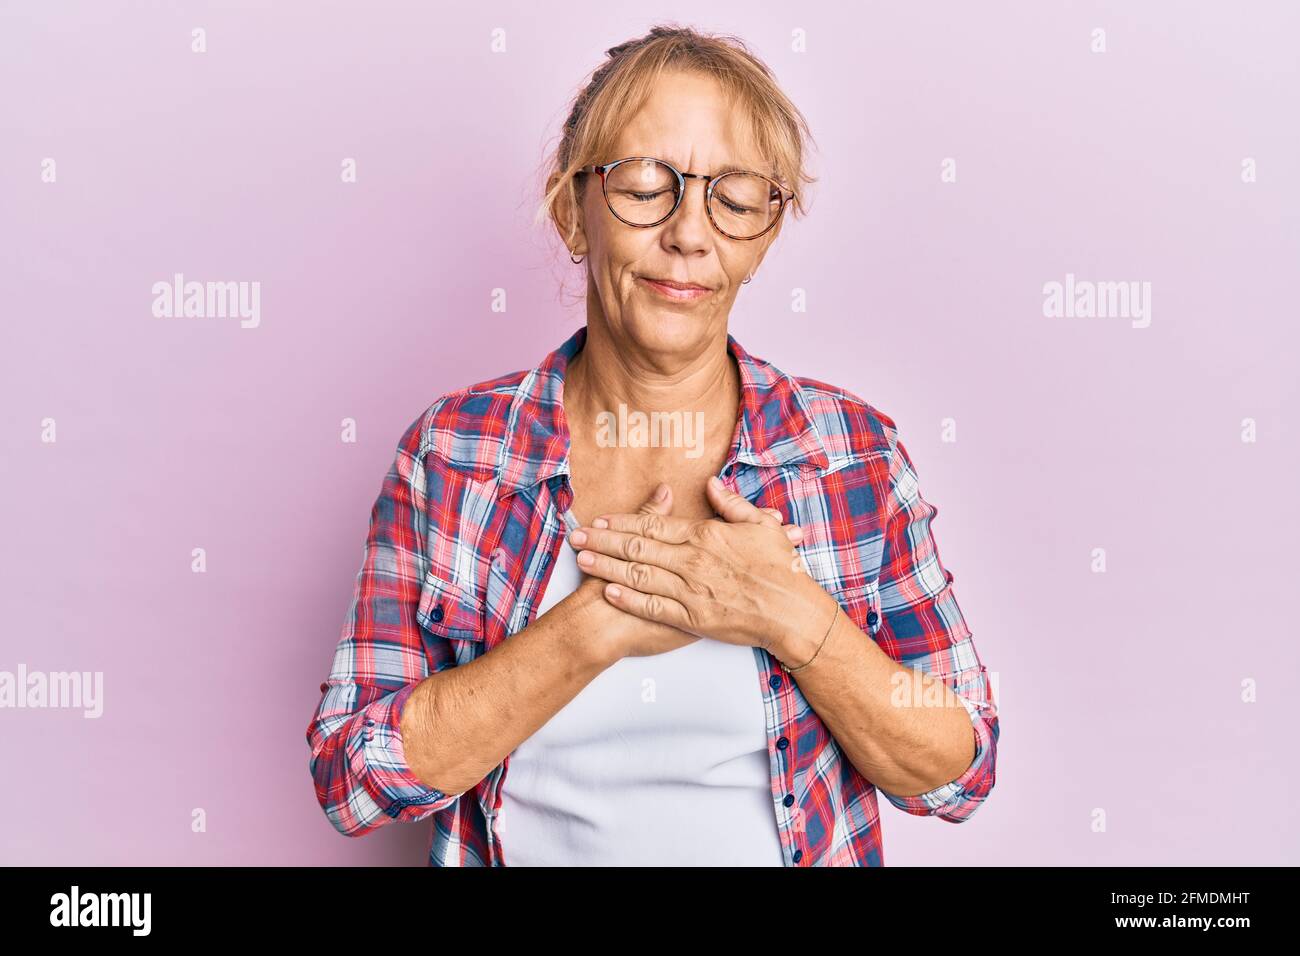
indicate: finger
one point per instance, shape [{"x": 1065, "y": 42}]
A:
[
  {"x": 735, "y": 508},
  {"x": 659, "y": 527},
  {"x": 646, "y": 578},
  {"x": 792, "y": 531},
  {"x": 650, "y": 607},
  {"x": 629, "y": 546},
  {"x": 659, "y": 501},
  {"x": 673, "y": 530}
]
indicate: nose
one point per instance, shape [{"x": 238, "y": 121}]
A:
[{"x": 687, "y": 230}]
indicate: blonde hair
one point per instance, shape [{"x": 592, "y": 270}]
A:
[{"x": 621, "y": 84}]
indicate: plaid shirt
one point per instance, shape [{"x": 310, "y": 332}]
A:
[{"x": 470, "y": 521}]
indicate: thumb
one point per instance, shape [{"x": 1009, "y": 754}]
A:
[
  {"x": 735, "y": 508},
  {"x": 660, "y": 501}
]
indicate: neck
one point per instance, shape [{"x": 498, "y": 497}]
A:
[{"x": 606, "y": 374}]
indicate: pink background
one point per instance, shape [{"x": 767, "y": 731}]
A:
[{"x": 1119, "y": 691}]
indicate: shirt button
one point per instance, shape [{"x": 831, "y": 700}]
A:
[
  {"x": 437, "y": 614},
  {"x": 782, "y": 743},
  {"x": 798, "y": 855},
  {"x": 872, "y": 618},
  {"x": 774, "y": 681},
  {"x": 324, "y": 688},
  {"x": 369, "y": 723},
  {"x": 789, "y": 800}
]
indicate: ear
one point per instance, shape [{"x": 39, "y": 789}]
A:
[{"x": 567, "y": 215}]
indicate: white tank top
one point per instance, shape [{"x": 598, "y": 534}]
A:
[{"x": 659, "y": 761}]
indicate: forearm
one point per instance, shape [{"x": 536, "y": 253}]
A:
[
  {"x": 459, "y": 723},
  {"x": 905, "y": 731}
]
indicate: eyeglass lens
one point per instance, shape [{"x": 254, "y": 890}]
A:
[{"x": 642, "y": 192}]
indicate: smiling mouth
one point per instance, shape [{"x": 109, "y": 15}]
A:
[{"x": 676, "y": 291}]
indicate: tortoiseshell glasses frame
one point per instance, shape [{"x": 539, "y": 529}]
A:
[{"x": 778, "y": 194}]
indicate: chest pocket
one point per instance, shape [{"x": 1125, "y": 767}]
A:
[
  {"x": 862, "y": 603},
  {"x": 446, "y": 610}
]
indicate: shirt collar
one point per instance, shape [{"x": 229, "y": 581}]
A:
[{"x": 775, "y": 427}]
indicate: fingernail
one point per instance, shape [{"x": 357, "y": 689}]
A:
[
  {"x": 661, "y": 492},
  {"x": 586, "y": 558},
  {"x": 714, "y": 481},
  {"x": 614, "y": 591},
  {"x": 600, "y": 523},
  {"x": 578, "y": 538},
  {"x": 794, "y": 533}
]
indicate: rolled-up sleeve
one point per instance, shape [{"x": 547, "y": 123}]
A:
[
  {"x": 358, "y": 765},
  {"x": 956, "y": 800},
  {"x": 923, "y": 627}
]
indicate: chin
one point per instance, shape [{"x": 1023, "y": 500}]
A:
[{"x": 670, "y": 330}]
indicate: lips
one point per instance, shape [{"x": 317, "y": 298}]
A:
[
  {"x": 680, "y": 286},
  {"x": 670, "y": 290}
]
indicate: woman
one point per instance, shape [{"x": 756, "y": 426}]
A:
[{"x": 655, "y": 601}]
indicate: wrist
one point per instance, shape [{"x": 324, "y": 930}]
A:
[
  {"x": 807, "y": 632},
  {"x": 591, "y": 625}
]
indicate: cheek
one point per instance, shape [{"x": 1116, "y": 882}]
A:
[
  {"x": 740, "y": 267},
  {"x": 623, "y": 259}
]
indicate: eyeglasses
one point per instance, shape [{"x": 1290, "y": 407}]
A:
[{"x": 642, "y": 191}]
